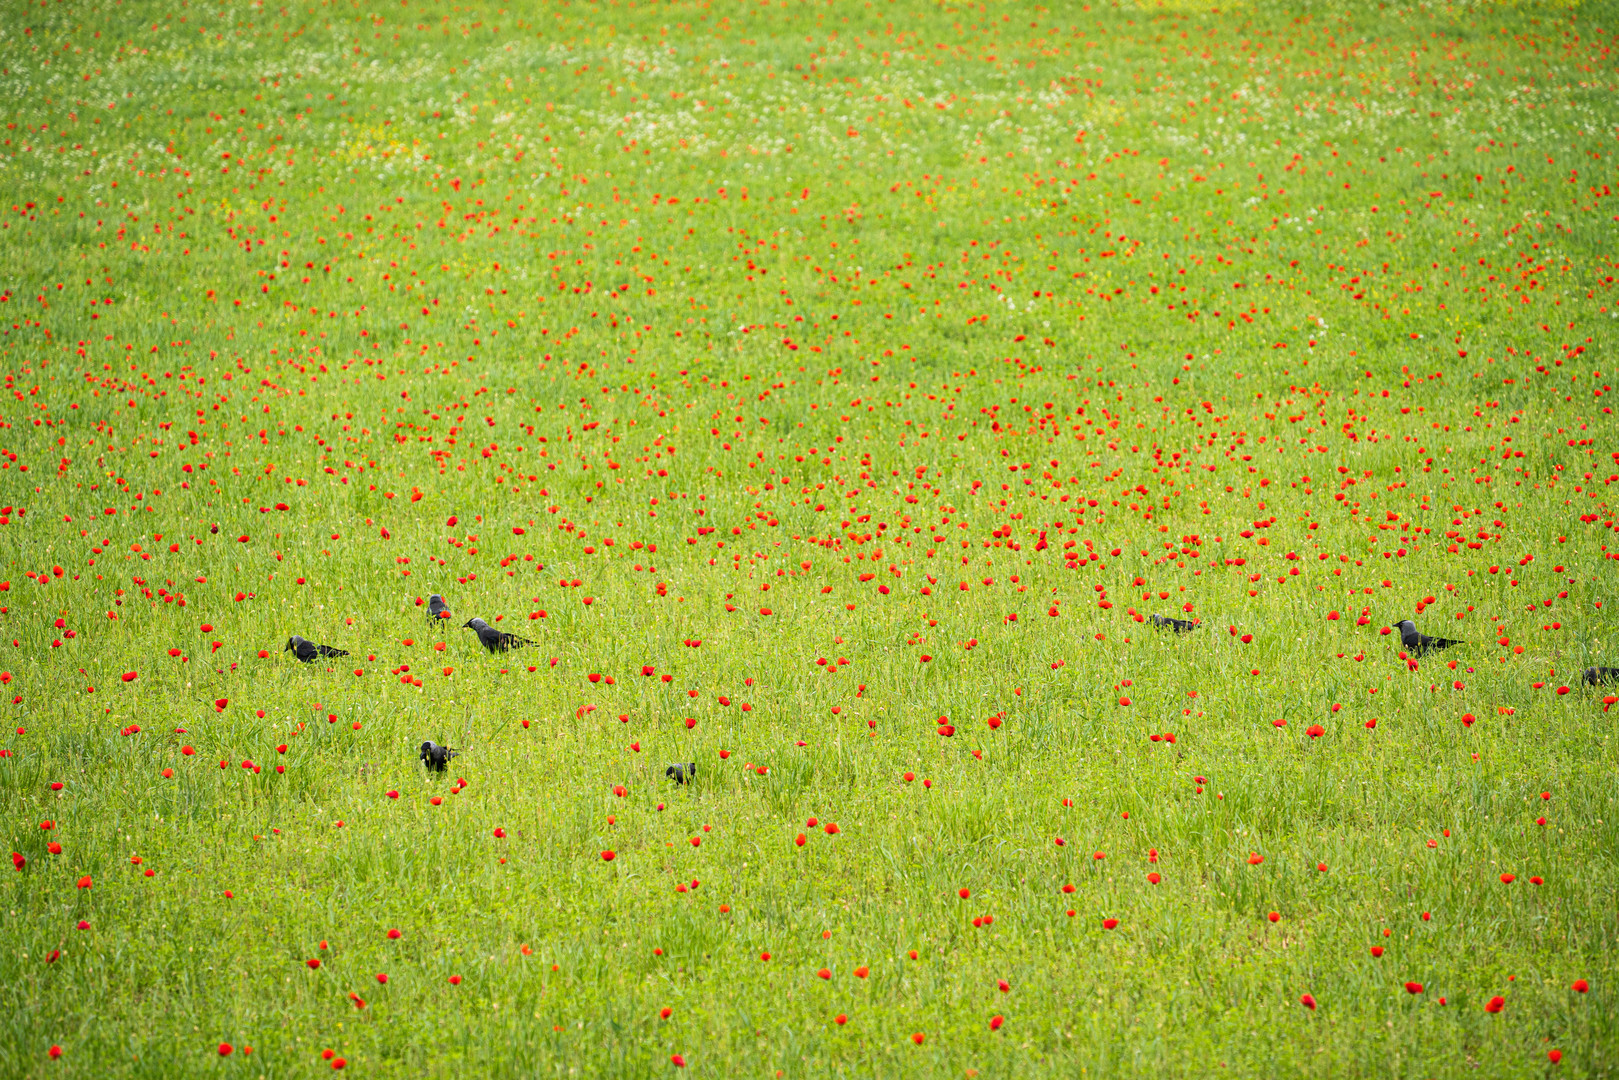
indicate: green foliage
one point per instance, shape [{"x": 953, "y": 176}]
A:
[{"x": 871, "y": 374}]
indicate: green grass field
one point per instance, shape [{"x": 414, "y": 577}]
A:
[{"x": 832, "y": 392}]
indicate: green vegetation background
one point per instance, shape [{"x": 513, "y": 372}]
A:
[{"x": 973, "y": 333}]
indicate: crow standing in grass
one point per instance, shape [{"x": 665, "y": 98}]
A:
[
  {"x": 1180, "y": 626},
  {"x": 436, "y": 608},
  {"x": 436, "y": 757},
  {"x": 495, "y": 640},
  {"x": 682, "y": 772},
  {"x": 1420, "y": 643},
  {"x": 306, "y": 650},
  {"x": 1596, "y": 676}
]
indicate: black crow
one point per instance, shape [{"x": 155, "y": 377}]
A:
[
  {"x": 1420, "y": 643},
  {"x": 495, "y": 640},
  {"x": 683, "y": 772},
  {"x": 307, "y": 650},
  {"x": 436, "y": 608},
  {"x": 435, "y": 756},
  {"x": 1596, "y": 676},
  {"x": 1180, "y": 626}
]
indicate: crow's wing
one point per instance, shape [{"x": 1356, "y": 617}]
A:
[{"x": 327, "y": 650}]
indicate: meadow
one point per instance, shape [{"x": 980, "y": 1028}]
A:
[{"x": 832, "y": 394}]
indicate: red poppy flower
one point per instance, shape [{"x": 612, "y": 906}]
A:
[
  {"x": 313, "y": 963},
  {"x": 1308, "y": 1002},
  {"x": 1377, "y": 951},
  {"x": 1495, "y": 1004},
  {"x": 917, "y": 1038},
  {"x": 677, "y": 1061},
  {"x": 1109, "y": 924},
  {"x": 225, "y": 1049},
  {"x": 840, "y": 1019},
  {"x": 1581, "y": 986},
  {"x": 995, "y": 1022},
  {"x": 609, "y": 856},
  {"x": 1413, "y": 988},
  {"x": 129, "y": 676}
]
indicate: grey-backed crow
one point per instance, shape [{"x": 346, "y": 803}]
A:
[
  {"x": 1420, "y": 643},
  {"x": 495, "y": 640},
  {"x": 306, "y": 650}
]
